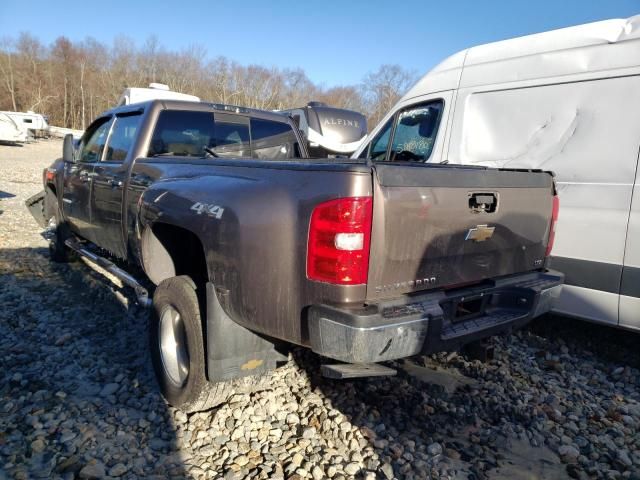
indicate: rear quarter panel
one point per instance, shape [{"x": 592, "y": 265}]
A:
[{"x": 256, "y": 249}]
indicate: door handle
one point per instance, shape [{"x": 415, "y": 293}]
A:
[
  {"x": 84, "y": 176},
  {"x": 115, "y": 183}
]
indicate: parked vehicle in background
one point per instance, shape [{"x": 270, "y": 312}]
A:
[
  {"x": 565, "y": 101},
  {"x": 251, "y": 245},
  {"x": 155, "y": 91},
  {"x": 329, "y": 131},
  {"x": 31, "y": 123},
  {"x": 11, "y": 131}
]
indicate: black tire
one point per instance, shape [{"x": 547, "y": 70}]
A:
[
  {"x": 193, "y": 393},
  {"x": 58, "y": 251}
]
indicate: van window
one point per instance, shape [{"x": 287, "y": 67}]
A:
[
  {"x": 415, "y": 133},
  {"x": 183, "y": 133},
  {"x": 380, "y": 144},
  {"x": 122, "y": 136},
  {"x": 232, "y": 140},
  {"x": 92, "y": 147},
  {"x": 273, "y": 140}
]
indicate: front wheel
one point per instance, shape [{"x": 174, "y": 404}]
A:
[{"x": 176, "y": 341}]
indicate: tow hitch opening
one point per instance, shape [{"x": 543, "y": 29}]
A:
[{"x": 468, "y": 308}]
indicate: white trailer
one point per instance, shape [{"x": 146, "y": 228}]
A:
[
  {"x": 566, "y": 101},
  {"x": 329, "y": 131},
  {"x": 12, "y": 131},
  {"x": 34, "y": 123},
  {"x": 155, "y": 91}
]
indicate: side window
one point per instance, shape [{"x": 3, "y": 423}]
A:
[
  {"x": 415, "y": 133},
  {"x": 378, "y": 147},
  {"x": 232, "y": 140},
  {"x": 122, "y": 137},
  {"x": 183, "y": 133},
  {"x": 92, "y": 147},
  {"x": 273, "y": 140}
]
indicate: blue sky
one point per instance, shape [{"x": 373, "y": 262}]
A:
[{"x": 335, "y": 42}]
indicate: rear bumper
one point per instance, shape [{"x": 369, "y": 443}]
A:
[{"x": 426, "y": 323}]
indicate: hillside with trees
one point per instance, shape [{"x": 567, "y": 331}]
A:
[{"x": 72, "y": 82}]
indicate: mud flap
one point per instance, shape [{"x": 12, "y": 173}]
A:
[
  {"x": 233, "y": 351},
  {"x": 35, "y": 205}
]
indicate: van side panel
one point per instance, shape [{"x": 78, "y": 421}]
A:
[
  {"x": 520, "y": 60},
  {"x": 630, "y": 286},
  {"x": 587, "y": 133}
]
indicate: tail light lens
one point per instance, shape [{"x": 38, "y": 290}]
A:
[
  {"x": 554, "y": 219},
  {"x": 339, "y": 239}
]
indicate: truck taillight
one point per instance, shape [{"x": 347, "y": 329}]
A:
[
  {"x": 554, "y": 219},
  {"x": 339, "y": 238}
]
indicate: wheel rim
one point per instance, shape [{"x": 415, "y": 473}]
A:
[{"x": 173, "y": 346}]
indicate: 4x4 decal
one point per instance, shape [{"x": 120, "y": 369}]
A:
[{"x": 215, "y": 211}]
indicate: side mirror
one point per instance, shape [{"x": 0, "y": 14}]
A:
[{"x": 67, "y": 148}]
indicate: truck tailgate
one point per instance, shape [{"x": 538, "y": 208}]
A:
[{"x": 444, "y": 226}]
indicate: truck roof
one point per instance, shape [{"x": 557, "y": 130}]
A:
[
  {"x": 198, "y": 106},
  {"x": 564, "y": 51}
]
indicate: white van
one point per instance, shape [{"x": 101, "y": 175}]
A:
[{"x": 567, "y": 101}]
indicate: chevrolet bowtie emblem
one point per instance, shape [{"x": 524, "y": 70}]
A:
[{"x": 480, "y": 233}]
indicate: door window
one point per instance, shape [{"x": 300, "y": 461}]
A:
[
  {"x": 122, "y": 137},
  {"x": 92, "y": 147},
  {"x": 415, "y": 133},
  {"x": 273, "y": 140}
]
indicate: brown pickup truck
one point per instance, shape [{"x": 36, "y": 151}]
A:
[{"x": 248, "y": 245}]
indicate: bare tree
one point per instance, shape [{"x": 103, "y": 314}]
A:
[
  {"x": 7, "y": 70},
  {"x": 383, "y": 88}
]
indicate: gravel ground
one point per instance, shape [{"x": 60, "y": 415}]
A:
[{"x": 78, "y": 400}]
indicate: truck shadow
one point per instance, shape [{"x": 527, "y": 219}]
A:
[
  {"x": 77, "y": 391},
  {"x": 450, "y": 416},
  {"x": 607, "y": 343}
]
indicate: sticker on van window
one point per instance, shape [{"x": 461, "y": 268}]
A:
[{"x": 215, "y": 211}]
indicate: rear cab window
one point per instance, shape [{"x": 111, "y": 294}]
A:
[
  {"x": 216, "y": 134},
  {"x": 273, "y": 140},
  {"x": 232, "y": 137}
]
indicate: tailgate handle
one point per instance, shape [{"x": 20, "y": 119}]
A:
[{"x": 483, "y": 202}]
